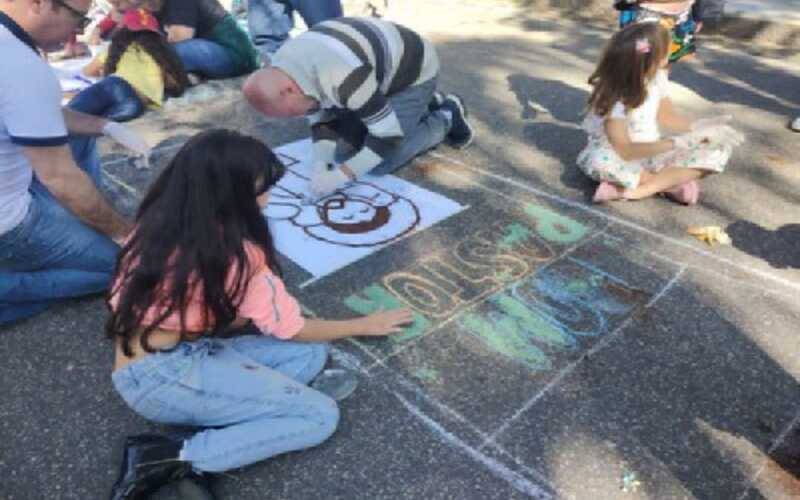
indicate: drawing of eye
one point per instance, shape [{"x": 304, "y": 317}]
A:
[
  {"x": 348, "y": 217},
  {"x": 364, "y": 210}
]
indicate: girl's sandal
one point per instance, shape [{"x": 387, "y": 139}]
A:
[
  {"x": 687, "y": 193},
  {"x": 607, "y": 191}
]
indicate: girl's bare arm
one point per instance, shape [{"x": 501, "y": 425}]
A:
[
  {"x": 670, "y": 119},
  {"x": 617, "y": 132}
]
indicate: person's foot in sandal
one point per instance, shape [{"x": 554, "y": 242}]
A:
[{"x": 607, "y": 191}]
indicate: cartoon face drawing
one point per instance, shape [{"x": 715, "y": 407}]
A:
[{"x": 360, "y": 214}]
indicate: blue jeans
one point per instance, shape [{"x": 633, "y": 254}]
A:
[
  {"x": 207, "y": 58},
  {"x": 269, "y": 21},
  {"x": 250, "y": 392},
  {"x": 111, "y": 98},
  {"x": 423, "y": 129},
  {"x": 51, "y": 255}
]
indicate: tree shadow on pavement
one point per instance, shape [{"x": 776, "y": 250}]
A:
[
  {"x": 560, "y": 107},
  {"x": 779, "y": 248}
]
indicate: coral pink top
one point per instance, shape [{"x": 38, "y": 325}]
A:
[{"x": 265, "y": 302}]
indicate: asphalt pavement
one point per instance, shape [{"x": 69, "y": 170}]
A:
[{"x": 560, "y": 349}]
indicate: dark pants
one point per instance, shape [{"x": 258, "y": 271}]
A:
[
  {"x": 422, "y": 128},
  {"x": 112, "y": 98}
]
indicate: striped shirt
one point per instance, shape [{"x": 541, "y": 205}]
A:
[{"x": 355, "y": 64}]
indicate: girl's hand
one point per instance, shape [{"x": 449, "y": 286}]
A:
[
  {"x": 717, "y": 135},
  {"x": 385, "y": 322}
]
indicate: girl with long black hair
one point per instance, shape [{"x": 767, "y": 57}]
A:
[{"x": 204, "y": 330}]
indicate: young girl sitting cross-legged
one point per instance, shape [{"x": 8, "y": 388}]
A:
[
  {"x": 628, "y": 109},
  {"x": 204, "y": 331}
]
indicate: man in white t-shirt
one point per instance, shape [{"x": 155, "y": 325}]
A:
[{"x": 58, "y": 235}]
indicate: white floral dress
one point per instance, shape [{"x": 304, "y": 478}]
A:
[{"x": 601, "y": 162}]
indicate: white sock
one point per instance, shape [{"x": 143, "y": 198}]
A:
[{"x": 448, "y": 115}]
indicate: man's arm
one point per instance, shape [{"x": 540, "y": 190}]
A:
[
  {"x": 70, "y": 185},
  {"x": 359, "y": 92},
  {"x": 82, "y": 124}
]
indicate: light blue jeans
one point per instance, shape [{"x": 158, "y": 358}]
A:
[
  {"x": 51, "y": 255},
  {"x": 269, "y": 21},
  {"x": 423, "y": 129},
  {"x": 250, "y": 392}
]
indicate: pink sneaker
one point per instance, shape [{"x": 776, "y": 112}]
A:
[
  {"x": 606, "y": 192},
  {"x": 687, "y": 193}
]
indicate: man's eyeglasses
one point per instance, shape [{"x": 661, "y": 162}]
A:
[{"x": 83, "y": 21}]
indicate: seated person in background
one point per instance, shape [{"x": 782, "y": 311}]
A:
[
  {"x": 140, "y": 66},
  {"x": 368, "y": 87},
  {"x": 270, "y": 21},
  {"x": 677, "y": 17},
  {"x": 630, "y": 110},
  {"x": 58, "y": 234},
  {"x": 207, "y": 38},
  {"x": 707, "y": 12}
]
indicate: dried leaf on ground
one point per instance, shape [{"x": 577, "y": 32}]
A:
[{"x": 711, "y": 235}]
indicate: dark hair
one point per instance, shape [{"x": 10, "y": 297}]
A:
[
  {"x": 191, "y": 230},
  {"x": 624, "y": 71},
  {"x": 156, "y": 45}
]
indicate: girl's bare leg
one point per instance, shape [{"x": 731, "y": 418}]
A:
[{"x": 651, "y": 184}]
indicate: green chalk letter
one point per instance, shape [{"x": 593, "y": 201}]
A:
[
  {"x": 374, "y": 298},
  {"x": 511, "y": 336},
  {"x": 555, "y": 227}
]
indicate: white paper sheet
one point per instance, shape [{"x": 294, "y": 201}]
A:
[{"x": 325, "y": 235}]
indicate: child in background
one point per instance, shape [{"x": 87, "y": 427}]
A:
[
  {"x": 205, "y": 332},
  {"x": 677, "y": 17},
  {"x": 105, "y": 27},
  {"x": 140, "y": 67},
  {"x": 627, "y": 109}
]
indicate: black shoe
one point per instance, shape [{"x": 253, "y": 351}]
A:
[
  {"x": 436, "y": 102},
  {"x": 461, "y": 133},
  {"x": 149, "y": 462},
  {"x": 195, "y": 487}
]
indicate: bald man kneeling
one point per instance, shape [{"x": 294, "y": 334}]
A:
[{"x": 368, "y": 89}]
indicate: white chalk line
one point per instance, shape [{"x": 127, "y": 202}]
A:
[
  {"x": 445, "y": 409},
  {"x": 571, "y": 367},
  {"x": 479, "y": 300},
  {"x": 514, "y": 479},
  {"x": 794, "y": 424},
  {"x": 618, "y": 220},
  {"x": 119, "y": 182},
  {"x": 349, "y": 361},
  {"x": 705, "y": 270},
  {"x": 126, "y": 158}
]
